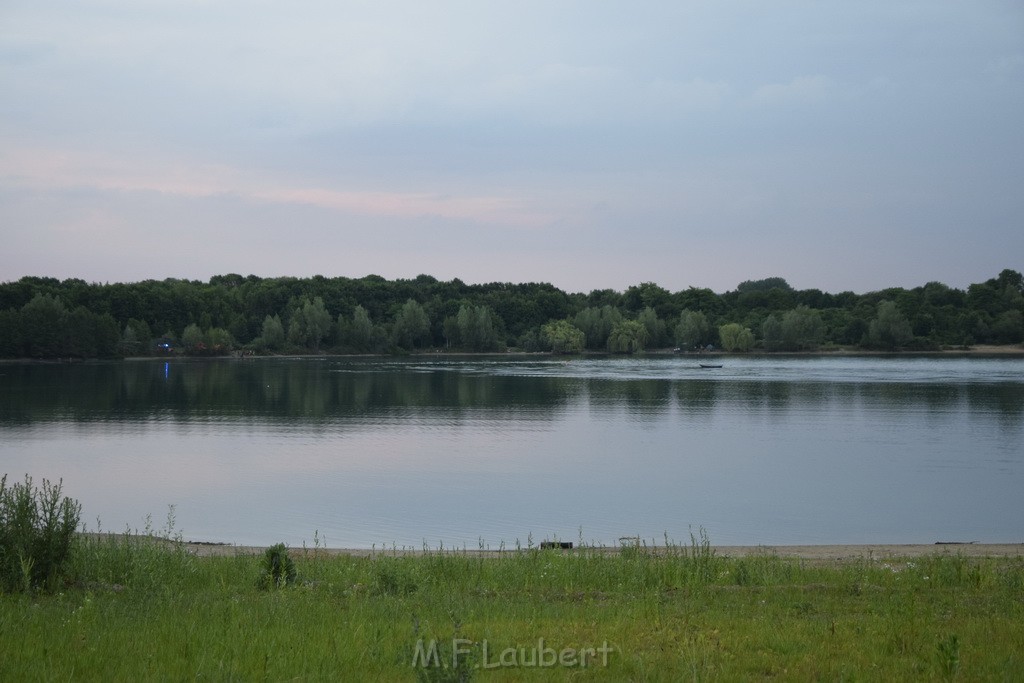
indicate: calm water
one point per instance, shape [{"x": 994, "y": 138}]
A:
[{"x": 484, "y": 451}]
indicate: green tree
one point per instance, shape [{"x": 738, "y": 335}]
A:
[
  {"x": 317, "y": 321},
  {"x": 80, "y": 341},
  {"x": 412, "y": 326},
  {"x": 43, "y": 320},
  {"x": 529, "y": 341},
  {"x": 105, "y": 334},
  {"x": 89, "y": 335},
  {"x": 363, "y": 329},
  {"x": 801, "y": 328},
  {"x": 129, "y": 342},
  {"x": 735, "y": 337},
  {"x": 192, "y": 338},
  {"x": 136, "y": 339},
  {"x": 890, "y": 328},
  {"x": 692, "y": 330},
  {"x": 604, "y": 297},
  {"x": 771, "y": 333},
  {"x": 272, "y": 334},
  {"x": 647, "y": 294},
  {"x": 938, "y": 294},
  {"x": 310, "y": 324},
  {"x": 596, "y": 324},
  {"x": 476, "y": 328},
  {"x": 45, "y": 317},
  {"x": 218, "y": 341},
  {"x": 465, "y": 327},
  {"x": 628, "y": 336},
  {"x": 655, "y": 327},
  {"x": 700, "y": 299},
  {"x": 11, "y": 342},
  {"x": 450, "y": 331},
  {"x": 1009, "y": 328},
  {"x": 1010, "y": 279},
  {"x": 764, "y": 285},
  {"x": 562, "y": 337},
  {"x": 238, "y": 326},
  {"x": 854, "y": 332},
  {"x": 360, "y": 332}
]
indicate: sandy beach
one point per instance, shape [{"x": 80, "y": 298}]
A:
[{"x": 818, "y": 553}]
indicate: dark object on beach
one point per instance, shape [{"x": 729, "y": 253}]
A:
[
  {"x": 710, "y": 365},
  {"x": 556, "y": 545}
]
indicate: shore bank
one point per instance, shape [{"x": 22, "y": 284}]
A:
[
  {"x": 978, "y": 351},
  {"x": 823, "y": 553}
]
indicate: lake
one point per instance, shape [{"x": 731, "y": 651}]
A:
[{"x": 485, "y": 451}]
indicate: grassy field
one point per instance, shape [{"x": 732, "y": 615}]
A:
[{"x": 141, "y": 609}]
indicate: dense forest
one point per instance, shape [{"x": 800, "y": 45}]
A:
[{"x": 48, "y": 318}]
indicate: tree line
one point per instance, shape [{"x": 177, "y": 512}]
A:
[{"x": 49, "y": 318}]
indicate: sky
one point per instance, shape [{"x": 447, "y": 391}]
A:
[{"x": 586, "y": 143}]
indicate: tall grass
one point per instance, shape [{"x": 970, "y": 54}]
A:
[
  {"x": 144, "y": 608},
  {"x": 150, "y": 559}
]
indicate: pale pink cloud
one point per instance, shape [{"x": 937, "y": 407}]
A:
[
  {"x": 472, "y": 208},
  {"x": 47, "y": 168}
]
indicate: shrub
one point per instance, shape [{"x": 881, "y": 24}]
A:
[
  {"x": 37, "y": 527},
  {"x": 278, "y": 567}
]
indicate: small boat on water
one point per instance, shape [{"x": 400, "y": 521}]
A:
[{"x": 711, "y": 365}]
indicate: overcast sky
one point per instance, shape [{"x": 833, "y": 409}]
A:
[{"x": 590, "y": 144}]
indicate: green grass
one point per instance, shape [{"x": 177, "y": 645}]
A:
[{"x": 139, "y": 608}]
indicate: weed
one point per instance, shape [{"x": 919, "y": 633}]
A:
[
  {"x": 439, "y": 660},
  {"x": 702, "y": 555},
  {"x": 741, "y": 571},
  {"x": 949, "y": 655},
  {"x": 144, "y": 560},
  {"x": 37, "y": 528},
  {"x": 278, "y": 567}
]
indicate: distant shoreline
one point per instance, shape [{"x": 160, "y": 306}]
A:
[
  {"x": 814, "y": 552},
  {"x": 978, "y": 351}
]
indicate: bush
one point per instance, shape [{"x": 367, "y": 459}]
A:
[
  {"x": 37, "y": 528},
  {"x": 278, "y": 567}
]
